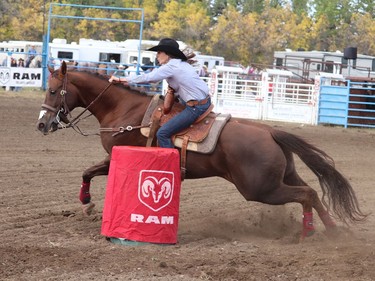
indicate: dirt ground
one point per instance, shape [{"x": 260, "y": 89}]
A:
[{"x": 44, "y": 235}]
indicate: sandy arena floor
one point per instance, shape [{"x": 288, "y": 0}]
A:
[{"x": 44, "y": 236}]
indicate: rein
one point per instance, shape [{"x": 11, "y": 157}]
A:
[
  {"x": 73, "y": 123},
  {"x": 76, "y": 119},
  {"x": 121, "y": 130}
]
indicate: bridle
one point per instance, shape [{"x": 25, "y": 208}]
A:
[{"x": 64, "y": 109}]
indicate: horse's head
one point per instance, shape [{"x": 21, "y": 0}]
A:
[{"x": 57, "y": 103}]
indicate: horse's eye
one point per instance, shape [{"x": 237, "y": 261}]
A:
[{"x": 52, "y": 92}]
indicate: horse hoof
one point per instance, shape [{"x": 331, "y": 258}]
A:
[
  {"x": 306, "y": 234},
  {"x": 88, "y": 208}
]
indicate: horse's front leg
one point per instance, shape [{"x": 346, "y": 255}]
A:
[{"x": 100, "y": 169}]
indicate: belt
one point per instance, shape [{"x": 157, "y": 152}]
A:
[{"x": 198, "y": 102}]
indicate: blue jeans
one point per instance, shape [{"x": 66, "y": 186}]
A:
[{"x": 180, "y": 122}]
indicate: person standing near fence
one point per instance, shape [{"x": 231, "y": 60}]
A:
[
  {"x": 21, "y": 63},
  {"x": 30, "y": 55}
]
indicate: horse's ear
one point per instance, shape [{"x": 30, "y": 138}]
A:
[
  {"x": 50, "y": 69},
  {"x": 63, "y": 67},
  {"x": 62, "y": 70}
]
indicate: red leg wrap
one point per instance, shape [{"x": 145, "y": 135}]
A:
[
  {"x": 327, "y": 220},
  {"x": 308, "y": 226},
  {"x": 84, "y": 194}
]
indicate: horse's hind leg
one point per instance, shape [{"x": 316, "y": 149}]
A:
[
  {"x": 292, "y": 178},
  {"x": 100, "y": 169},
  {"x": 304, "y": 195}
]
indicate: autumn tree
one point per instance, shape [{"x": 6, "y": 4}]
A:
[
  {"x": 7, "y": 12},
  {"x": 226, "y": 37},
  {"x": 25, "y": 20},
  {"x": 186, "y": 21},
  {"x": 363, "y": 37},
  {"x": 242, "y": 30}
]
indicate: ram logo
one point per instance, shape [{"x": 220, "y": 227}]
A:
[
  {"x": 155, "y": 189},
  {"x": 4, "y": 75}
]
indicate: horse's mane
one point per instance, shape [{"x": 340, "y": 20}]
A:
[{"x": 104, "y": 77}]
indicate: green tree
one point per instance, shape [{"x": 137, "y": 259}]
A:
[
  {"x": 365, "y": 6},
  {"x": 300, "y": 7},
  {"x": 337, "y": 11},
  {"x": 252, "y": 6}
]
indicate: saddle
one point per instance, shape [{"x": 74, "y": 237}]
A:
[{"x": 200, "y": 137}]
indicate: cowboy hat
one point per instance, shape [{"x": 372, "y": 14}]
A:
[{"x": 170, "y": 47}]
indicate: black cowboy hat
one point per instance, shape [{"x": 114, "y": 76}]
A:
[{"x": 170, "y": 47}]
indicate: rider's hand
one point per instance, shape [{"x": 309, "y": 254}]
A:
[
  {"x": 118, "y": 80},
  {"x": 168, "y": 100},
  {"x": 113, "y": 79}
]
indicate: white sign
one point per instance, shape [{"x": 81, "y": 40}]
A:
[{"x": 20, "y": 77}]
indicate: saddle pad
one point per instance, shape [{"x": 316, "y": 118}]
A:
[{"x": 206, "y": 146}]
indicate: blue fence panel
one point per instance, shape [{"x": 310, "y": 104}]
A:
[{"x": 333, "y": 105}]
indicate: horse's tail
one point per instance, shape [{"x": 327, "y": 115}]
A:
[{"x": 341, "y": 196}]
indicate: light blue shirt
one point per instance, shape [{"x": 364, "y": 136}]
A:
[
  {"x": 32, "y": 52},
  {"x": 181, "y": 76}
]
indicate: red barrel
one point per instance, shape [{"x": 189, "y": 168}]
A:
[{"x": 143, "y": 195}]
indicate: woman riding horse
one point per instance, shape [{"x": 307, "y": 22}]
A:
[{"x": 256, "y": 158}]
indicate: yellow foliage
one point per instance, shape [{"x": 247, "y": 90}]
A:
[{"x": 250, "y": 37}]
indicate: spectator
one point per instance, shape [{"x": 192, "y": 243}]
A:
[
  {"x": 121, "y": 70},
  {"x": 13, "y": 62},
  {"x": 203, "y": 72},
  {"x": 21, "y": 63},
  {"x": 131, "y": 71},
  {"x": 30, "y": 55},
  {"x": 148, "y": 67}
]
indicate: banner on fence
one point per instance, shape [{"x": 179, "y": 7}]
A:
[{"x": 20, "y": 77}]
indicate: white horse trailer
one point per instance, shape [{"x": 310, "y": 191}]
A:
[
  {"x": 210, "y": 61},
  {"x": 17, "y": 50},
  {"x": 87, "y": 50},
  {"x": 60, "y": 50},
  {"x": 308, "y": 64}
]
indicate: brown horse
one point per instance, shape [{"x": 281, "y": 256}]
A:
[{"x": 256, "y": 158}]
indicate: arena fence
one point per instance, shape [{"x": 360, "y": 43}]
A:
[
  {"x": 272, "y": 97},
  {"x": 348, "y": 103},
  {"x": 13, "y": 72},
  {"x": 331, "y": 100}
]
